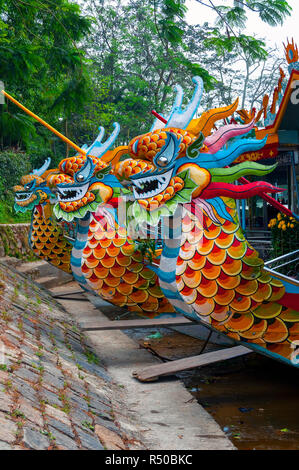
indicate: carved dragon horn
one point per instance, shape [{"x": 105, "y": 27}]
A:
[
  {"x": 177, "y": 117},
  {"x": 98, "y": 148},
  {"x": 40, "y": 171}
]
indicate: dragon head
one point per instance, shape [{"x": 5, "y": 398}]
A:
[
  {"x": 33, "y": 189},
  {"x": 84, "y": 181},
  {"x": 184, "y": 160}
]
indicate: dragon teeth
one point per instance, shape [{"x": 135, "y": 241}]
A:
[
  {"x": 22, "y": 197},
  {"x": 79, "y": 191},
  {"x": 161, "y": 182}
]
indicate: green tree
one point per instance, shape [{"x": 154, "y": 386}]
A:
[{"x": 41, "y": 64}]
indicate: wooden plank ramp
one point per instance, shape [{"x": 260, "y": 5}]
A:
[
  {"x": 128, "y": 324},
  {"x": 149, "y": 374}
]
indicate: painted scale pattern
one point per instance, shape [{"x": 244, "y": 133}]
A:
[
  {"x": 115, "y": 271},
  {"x": 148, "y": 145},
  {"x": 221, "y": 277},
  {"x": 47, "y": 240}
]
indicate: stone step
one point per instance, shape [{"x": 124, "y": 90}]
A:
[
  {"x": 50, "y": 281},
  {"x": 34, "y": 269},
  {"x": 40, "y": 269}
]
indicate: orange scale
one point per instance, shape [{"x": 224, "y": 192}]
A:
[
  {"x": 39, "y": 246},
  {"x": 95, "y": 285},
  {"x": 225, "y": 240},
  {"x": 147, "y": 273},
  {"x": 205, "y": 246},
  {"x": 224, "y": 296},
  {"x": 289, "y": 315},
  {"x": 213, "y": 232},
  {"x": 239, "y": 323},
  {"x": 251, "y": 258},
  {"x": 181, "y": 266},
  {"x": 124, "y": 288},
  {"x": 107, "y": 261},
  {"x": 203, "y": 306},
  {"x": 123, "y": 260},
  {"x": 207, "y": 288},
  {"x": 247, "y": 287},
  {"x": 189, "y": 294},
  {"x": 233, "y": 335},
  {"x": 256, "y": 331},
  {"x": 277, "y": 332},
  {"x": 113, "y": 250},
  {"x": 121, "y": 232},
  {"x": 284, "y": 349},
  {"x": 187, "y": 223},
  {"x": 117, "y": 271},
  {"x": 105, "y": 242},
  {"x": 187, "y": 251},
  {"x": 241, "y": 303},
  {"x": 93, "y": 225},
  {"x": 277, "y": 294},
  {"x": 99, "y": 234},
  {"x": 195, "y": 236},
  {"x": 151, "y": 304},
  {"x": 155, "y": 291},
  {"x": 276, "y": 282},
  {"x": 263, "y": 292},
  {"x": 136, "y": 267},
  {"x": 228, "y": 282},
  {"x": 237, "y": 250},
  {"x": 210, "y": 271},
  {"x": 99, "y": 252},
  {"x": 294, "y": 332},
  {"x": 118, "y": 241},
  {"x": 128, "y": 249},
  {"x": 229, "y": 227},
  {"x": 87, "y": 251},
  {"x": 217, "y": 256},
  {"x": 191, "y": 278},
  {"x": 112, "y": 281},
  {"x": 187, "y": 228},
  {"x": 91, "y": 262},
  {"x": 140, "y": 296},
  {"x": 107, "y": 292},
  {"x": 267, "y": 310},
  {"x": 232, "y": 267},
  {"x": 197, "y": 262},
  {"x": 85, "y": 269},
  {"x": 250, "y": 272},
  {"x": 220, "y": 313},
  {"x": 101, "y": 272},
  {"x": 92, "y": 242},
  {"x": 137, "y": 256},
  {"x": 130, "y": 277},
  {"x": 180, "y": 283}
]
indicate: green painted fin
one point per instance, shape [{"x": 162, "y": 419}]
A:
[{"x": 228, "y": 175}]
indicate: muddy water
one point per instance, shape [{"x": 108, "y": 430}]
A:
[
  {"x": 254, "y": 400},
  {"x": 255, "y": 403}
]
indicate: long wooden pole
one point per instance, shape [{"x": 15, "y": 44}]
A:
[{"x": 44, "y": 123}]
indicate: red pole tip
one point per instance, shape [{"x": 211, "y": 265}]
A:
[{"x": 159, "y": 117}]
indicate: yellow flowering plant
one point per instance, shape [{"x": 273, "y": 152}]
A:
[{"x": 285, "y": 234}]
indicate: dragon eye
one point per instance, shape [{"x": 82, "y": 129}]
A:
[
  {"x": 28, "y": 186},
  {"x": 162, "y": 161},
  {"x": 80, "y": 178}
]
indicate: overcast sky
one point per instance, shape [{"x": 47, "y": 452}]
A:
[{"x": 274, "y": 35}]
